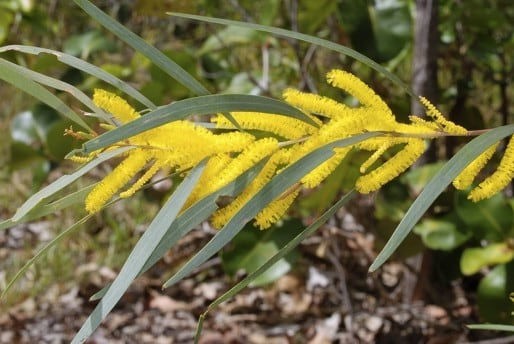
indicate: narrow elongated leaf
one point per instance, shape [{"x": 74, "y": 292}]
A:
[
  {"x": 192, "y": 217},
  {"x": 437, "y": 185},
  {"x": 306, "y": 38},
  {"x": 43, "y": 251},
  {"x": 10, "y": 74},
  {"x": 278, "y": 256},
  {"x": 491, "y": 327},
  {"x": 140, "y": 254},
  {"x": 200, "y": 106},
  {"x": 273, "y": 189},
  {"x": 62, "y": 86},
  {"x": 136, "y": 42},
  {"x": 50, "y": 208},
  {"x": 62, "y": 182},
  {"x": 86, "y": 67}
]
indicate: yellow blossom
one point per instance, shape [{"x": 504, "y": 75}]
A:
[
  {"x": 113, "y": 182},
  {"x": 115, "y": 105},
  {"x": 313, "y": 103},
  {"x": 468, "y": 175},
  {"x": 446, "y": 125},
  {"x": 362, "y": 92},
  {"x": 214, "y": 166},
  {"x": 221, "y": 216},
  {"x": 284, "y": 126},
  {"x": 275, "y": 210},
  {"x": 391, "y": 168},
  {"x": 499, "y": 179}
]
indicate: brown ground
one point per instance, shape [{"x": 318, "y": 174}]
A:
[{"x": 328, "y": 298}]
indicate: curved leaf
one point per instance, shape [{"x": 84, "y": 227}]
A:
[
  {"x": 200, "y": 106},
  {"x": 86, "y": 67},
  {"x": 436, "y": 186},
  {"x": 50, "y": 208},
  {"x": 62, "y": 86},
  {"x": 277, "y": 257},
  {"x": 273, "y": 189},
  {"x": 491, "y": 327},
  {"x": 62, "y": 182},
  {"x": 10, "y": 73},
  {"x": 136, "y": 42},
  {"x": 43, "y": 251},
  {"x": 192, "y": 217},
  {"x": 306, "y": 38},
  {"x": 140, "y": 254}
]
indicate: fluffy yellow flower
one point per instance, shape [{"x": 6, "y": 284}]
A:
[
  {"x": 499, "y": 179},
  {"x": 223, "y": 215},
  {"x": 113, "y": 182},
  {"x": 316, "y": 104},
  {"x": 275, "y": 210},
  {"x": 391, "y": 168},
  {"x": 284, "y": 126},
  {"x": 446, "y": 125},
  {"x": 468, "y": 175},
  {"x": 362, "y": 92},
  {"x": 115, "y": 105}
]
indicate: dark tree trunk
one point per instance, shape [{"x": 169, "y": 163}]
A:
[
  {"x": 424, "y": 65},
  {"x": 424, "y": 83}
]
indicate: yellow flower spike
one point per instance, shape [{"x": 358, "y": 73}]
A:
[
  {"x": 223, "y": 215},
  {"x": 214, "y": 166},
  {"x": 421, "y": 123},
  {"x": 468, "y": 175},
  {"x": 447, "y": 126},
  {"x": 121, "y": 175},
  {"x": 142, "y": 180},
  {"x": 499, "y": 179},
  {"x": 321, "y": 172},
  {"x": 115, "y": 105},
  {"x": 254, "y": 153},
  {"x": 392, "y": 168},
  {"x": 180, "y": 134},
  {"x": 275, "y": 210},
  {"x": 82, "y": 159},
  {"x": 357, "y": 88},
  {"x": 232, "y": 142},
  {"x": 334, "y": 130},
  {"x": 313, "y": 103},
  {"x": 284, "y": 126},
  {"x": 373, "y": 158}
]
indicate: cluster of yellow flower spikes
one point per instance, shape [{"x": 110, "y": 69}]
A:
[{"x": 180, "y": 145}]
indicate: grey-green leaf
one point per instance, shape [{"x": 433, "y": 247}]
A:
[
  {"x": 306, "y": 38},
  {"x": 86, "y": 67},
  {"x": 141, "y": 252},
  {"x": 10, "y": 73},
  {"x": 436, "y": 186},
  {"x": 62, "y": 182},
  {"x": 136, "y": 42},
  {"x": 202, "y": 105}
]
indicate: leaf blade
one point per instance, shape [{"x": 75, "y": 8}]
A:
[
  {"x": 141, "y": 252},
  {"x": 85, "y": 67},
  {"x": 10, "y": 74},
  {"x": 436, "y": 186},
  {"x": 306, "y": 38},
  {"x": 198, "y": 105},
  {"x": 136, "y": 42},
  {"x": 62, "y": 182}
]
